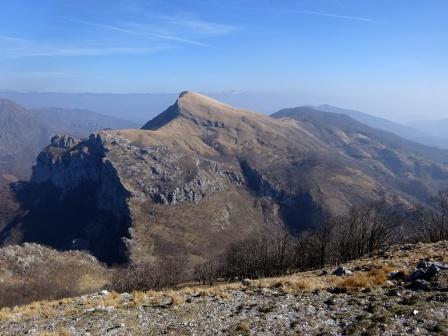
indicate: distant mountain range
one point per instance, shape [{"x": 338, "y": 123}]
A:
[
  {"x": 140, "y": 107},
  {"x": 438, "y": 128},
  {"x": 79, "y": 123},
  {"x": 135, "y": 107},
  {"x": 203, "y": 174},
  {"x": 415, "y": 132},
  {"x": 23, "y": 133}
]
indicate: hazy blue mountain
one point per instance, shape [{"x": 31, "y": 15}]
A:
[
  {"x": 438, "y": 128},
  {"x": 136, "y": 107},
  {"x": 24, "y": 132},
  {"x": 22, "y": 136},
  {"x": 79, "y": 123},
  {"x": 412, "y": 132}
]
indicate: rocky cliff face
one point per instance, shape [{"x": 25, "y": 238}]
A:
[
  {"x": 200, "y": 176},
  {"x": 68, "y": 163}
]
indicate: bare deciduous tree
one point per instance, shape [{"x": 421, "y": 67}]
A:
[{"x": 434, "y": 222}]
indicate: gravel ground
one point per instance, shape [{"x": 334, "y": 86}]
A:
[{"x": 249, "y": 312}]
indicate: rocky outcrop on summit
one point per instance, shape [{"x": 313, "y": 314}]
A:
[{"x": 202, "y": 175}]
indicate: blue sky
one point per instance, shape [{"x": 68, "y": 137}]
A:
[{"x": 389, "y": 58}]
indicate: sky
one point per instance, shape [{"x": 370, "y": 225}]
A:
[{"x": 387, "y": 58}]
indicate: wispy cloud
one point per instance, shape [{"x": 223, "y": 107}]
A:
[
  {"x": 334, "y": 16},
  {"x": 196, "y": 26},
  {"x": 21, "y": 48},
  {"x": 151, "y": 33},
  {"x": 53, "y": 74},
  {"x": 120, "y": 29},
  {"x": 298, "y": 11},
  {"x": 11, "y": 39}
]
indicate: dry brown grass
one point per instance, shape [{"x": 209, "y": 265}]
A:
[
  {"x": 244, "y": 327},
  {"x": 176, "y": 299},
  {"x": 369, "y": 273},
  {"x": 305, "y": 282},
  {"x": 140, "y": 298},
  {"x": 48, "y": 274}
]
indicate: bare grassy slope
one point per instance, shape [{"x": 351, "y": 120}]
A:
[
  {"x": 416, "y": 169},
  {"x": 32, "y": 272},
  {"x": 369, "y": 302}
]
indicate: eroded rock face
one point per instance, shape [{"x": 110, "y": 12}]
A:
[
  {"x": 68, "y": 163},
  {"x": 164, "y": 176},
  {"x": 63, "y": 141}
]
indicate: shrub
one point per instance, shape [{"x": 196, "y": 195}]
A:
[{"x": 165, "y": 273}]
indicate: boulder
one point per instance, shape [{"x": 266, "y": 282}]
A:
[
  {"x": 342, "y": 271},
  {"x": 246, "y": 282}
]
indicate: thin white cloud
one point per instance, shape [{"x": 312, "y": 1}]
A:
[
  {"x": 164, "y": 34},
  {"x": 54, "y": 74},
  {"x": 334, "y": 16},
  {"x": 92, "y": 51},
  {"x": 147, "y": 33},
  {"x": 12, "y": 39},
  {"x": 20, "y": 48},
  {"x": 197, "y": 26},
  {"x": 299, "y": 11}
]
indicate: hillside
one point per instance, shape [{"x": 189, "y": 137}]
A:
[
  {"x": 79, "y": 123},
  {"x": 25, "y": 132},
  {"x": 203, "y": 174},
  {"x": 383, "y": 294},
  {"x": 437, "y": 128},
  {"x": 407, "y": 165},
  {"x": 416, "y": 132},
  {"x": 22, "y": 136}
]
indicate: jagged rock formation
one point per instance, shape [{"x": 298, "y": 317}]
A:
[{"x": 202, "y": 175}]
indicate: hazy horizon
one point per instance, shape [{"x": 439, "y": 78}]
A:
[{"x": 388, "y": 59}]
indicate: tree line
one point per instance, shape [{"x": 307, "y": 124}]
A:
[{"x": 335, "y": 240}]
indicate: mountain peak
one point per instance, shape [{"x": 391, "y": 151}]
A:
[
  {"x": 185, "y": 93},
  {"x": 189, "y": 99},
  {"x": 193, "y": 105}
]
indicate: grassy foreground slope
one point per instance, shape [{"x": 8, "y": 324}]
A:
[{"x": 379, "y": 297}]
